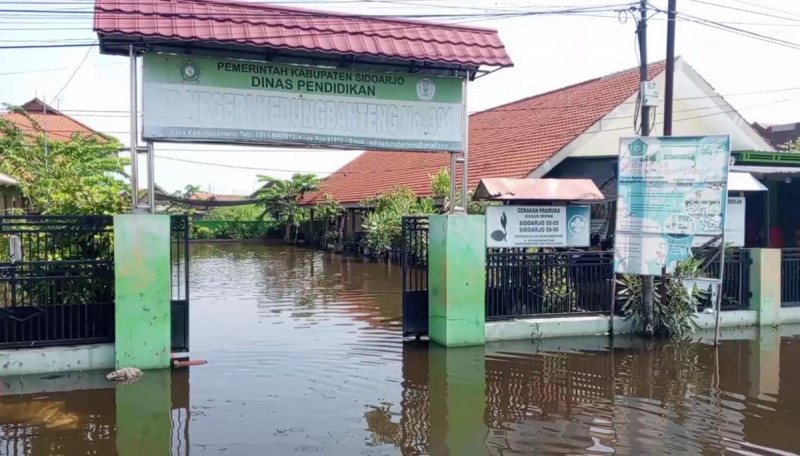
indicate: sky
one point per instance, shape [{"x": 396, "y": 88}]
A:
[{"x": 549, "y": 51}]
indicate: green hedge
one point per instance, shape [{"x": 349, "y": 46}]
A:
[{"x": 224, "y": 229}]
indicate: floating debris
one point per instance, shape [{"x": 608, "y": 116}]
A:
[{"x": 125, "y": 375}]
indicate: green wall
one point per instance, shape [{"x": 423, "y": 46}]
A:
[
  {"x": 457, "y": 280},
  {"x": 142, "y": 271}
]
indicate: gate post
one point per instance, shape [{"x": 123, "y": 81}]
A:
[
  {"x": 765, "y": 285},
  {"x": 142, "y": 304},
  {"x": 457, "y": 280}
]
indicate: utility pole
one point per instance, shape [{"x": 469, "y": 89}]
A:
[
  {"x": 647, "y": 280},
  {"x": 643, "y": 77},
  {"x": 670, "y": 71}
]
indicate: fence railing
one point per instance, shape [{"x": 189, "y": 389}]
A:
[
  {"x": 179, "y": 237},
  {"x": 415, "y": 275},
  {"x": 524, "y": 284},
  {"x": 790, "y": 277},
  {"x": 735, "y": 282},
  {"x": 56, "y": 280}
]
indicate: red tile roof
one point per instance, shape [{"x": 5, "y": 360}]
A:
[
  {"x": 506, "y": 141},
  {"x": 300, "y": 29},
  {"x": 59, "y": 127}
]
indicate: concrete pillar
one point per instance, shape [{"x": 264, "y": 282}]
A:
[
  {"x": 142, "y": 271},
  {"x": 144, "y": 409},
  {"x": 765, "y": 285},
  {"x": 457, "y": 280},
  {"x": 457, "y": 392}
]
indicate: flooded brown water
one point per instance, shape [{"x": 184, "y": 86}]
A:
[{"x": 305, "y": 356}]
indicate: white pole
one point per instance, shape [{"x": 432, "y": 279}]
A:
[
  {"x": 134, "y": 133},
  {"x": 718, "y": 303},
  {"x": 151, "y": 177},
  {"x": 465, "y": 139},
  {"x": 453, "y": 202}
]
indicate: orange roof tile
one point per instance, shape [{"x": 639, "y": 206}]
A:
[
  {"x": 59, "y": 127},
  {"x": 509, "y": 140}
]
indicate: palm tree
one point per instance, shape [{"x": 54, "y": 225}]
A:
[{"x": 282, "y": 196}]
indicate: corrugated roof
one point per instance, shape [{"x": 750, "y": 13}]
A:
[
  {"x": 296, "y": 29},
  {"x": 59, "y": 127},
  {"x": 504, "y": 189},
  {"x": 506, "y": 141}
]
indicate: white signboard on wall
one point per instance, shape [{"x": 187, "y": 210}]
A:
[
  {"x": 734, "y": 224},
  {"x": 202, "y": 99},
  {"x": 537, "y": 226}
]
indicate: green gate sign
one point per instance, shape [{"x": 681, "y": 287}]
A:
[{"x": 201, "y": 99}]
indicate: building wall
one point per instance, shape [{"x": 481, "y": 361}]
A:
[{"x": 694, "y": 113}]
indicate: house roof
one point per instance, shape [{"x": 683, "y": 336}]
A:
[
  {"x": 506, "y": 141},
  {"x": 296, "y": 29},
  {"x": 207, "y": 196},
  {"x": 59, "y": 127}
]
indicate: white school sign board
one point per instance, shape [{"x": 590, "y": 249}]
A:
[
  {"x": 670, "y": 190},
  {"x": 734, "y": 224},
  {"x": 203, "y": 99},
  {"x": 537, "y": 226}
]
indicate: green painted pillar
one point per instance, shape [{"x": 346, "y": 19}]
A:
[
  {"x": 144, "y": 409},
  {"x": 765, "y": 285},
  {"x": 457, "y": 280},
  {"x": 142, "y": 271},
  {"x": 457, "y": 392}
]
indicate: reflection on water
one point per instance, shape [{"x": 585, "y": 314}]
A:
[{"x": 305, "y": 356}]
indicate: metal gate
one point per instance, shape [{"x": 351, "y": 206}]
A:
[
  {"x": 179, "y": 304},
  {"x": 56, "y": 280},
  {"x": 415, "y": 276}
]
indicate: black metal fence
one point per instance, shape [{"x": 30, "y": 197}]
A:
[
  {"x": 735, "y": 280},
  {"x": 790, "y": 277},
  {"x": 524, "y": 284},
  {"x": 179, "y": 236},
  {"x": 56, "y": 280},
  {"x": 415, "y": 275}
]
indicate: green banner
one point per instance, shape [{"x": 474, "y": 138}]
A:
[{"x": 202, "y": 99}]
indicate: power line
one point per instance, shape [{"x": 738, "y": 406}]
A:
[
  {"x": 735, "y": 30},
  {"x": 744, "y": 10},
  {"x": 47, "y": 70},
  {"x": 124, "y": 113},
  {"x": 85, "y": 56}
]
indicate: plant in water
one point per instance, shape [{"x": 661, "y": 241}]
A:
[
  {"x": 673, "y": 304},
  {"x": 384, "y": 225},
  {"x": 281, "y": 198}
]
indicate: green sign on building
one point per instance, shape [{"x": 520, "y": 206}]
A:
[{"x": 201, "y": 99}]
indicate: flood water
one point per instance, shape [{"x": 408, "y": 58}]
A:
[{"x": 305, "y": 356}]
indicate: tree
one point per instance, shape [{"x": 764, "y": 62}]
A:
[
  {"x": 328, "y": 210},
  {"x": 78, "y": 176},
  {"x": 179, "y": 207},
  {"x": 440, "y": 187},
  {"x": 384, "y": 225},
  {"x": 282, "y": 197}
]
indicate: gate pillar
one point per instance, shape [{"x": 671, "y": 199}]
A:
[
  {"x": 457, "y": 280},
  {"x": 142, "y": 285}
]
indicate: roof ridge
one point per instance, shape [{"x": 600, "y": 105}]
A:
[
  {"x": 313, "y": 12},
  {"x": 571, "y": 86}
]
